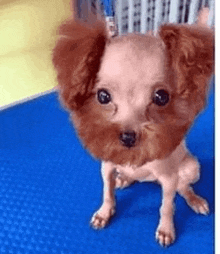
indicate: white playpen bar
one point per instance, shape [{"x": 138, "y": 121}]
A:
[{"x": 161, "y": 6}]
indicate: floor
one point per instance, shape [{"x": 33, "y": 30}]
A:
[{"x": 50, "y": 187}]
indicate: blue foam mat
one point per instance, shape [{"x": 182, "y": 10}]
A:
[{"x": 50, "y": 187}]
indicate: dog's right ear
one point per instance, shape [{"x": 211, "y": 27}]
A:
[{"x": 77, "y": 57}]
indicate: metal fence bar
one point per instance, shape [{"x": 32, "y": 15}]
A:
[
  {"x": 193, "y": 11},
  {"x": 183, "y": 11},
  {"x": 158, "y": 14},
  {"x": 203, "y": 2},
  {"x": 166, "y": 15},
  {"x": 174, "y": 6},
  {"x": 130, "y": 16},
  {"x": 143, "y": 16},
  {"x": 151, "y": 13},
  {"x": 149, "y": 17},
  {"x": 119, "y": 14},
  {"x": 211, "y": 12}
]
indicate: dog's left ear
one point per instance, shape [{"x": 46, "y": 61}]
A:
[
  {"x": 77, "y": 57},
  {"x": 190, "y": 50}
]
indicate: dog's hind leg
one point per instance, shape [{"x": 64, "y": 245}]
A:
[{"x": 189, "y": 174}]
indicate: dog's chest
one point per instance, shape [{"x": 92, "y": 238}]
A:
[
  {"x": 143, "y": 173},
  {"x": 152, "y": 171}
]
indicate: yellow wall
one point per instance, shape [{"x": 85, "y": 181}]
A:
[{"x": 27, "y": 36}]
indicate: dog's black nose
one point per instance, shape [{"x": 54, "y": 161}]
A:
[{"x": 128, "y": 138}]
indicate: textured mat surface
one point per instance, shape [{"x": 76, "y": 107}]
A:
[{"x": 50, "y": 186}]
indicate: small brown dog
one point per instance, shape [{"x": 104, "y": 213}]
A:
[{"x": 132, "y": 100}]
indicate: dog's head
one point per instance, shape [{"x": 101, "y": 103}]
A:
[{"x": 132, "y": 98}]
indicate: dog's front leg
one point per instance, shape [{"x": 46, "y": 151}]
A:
[
  {"x": 107, "y": 210},
  {"x": 165, "y": 233}
]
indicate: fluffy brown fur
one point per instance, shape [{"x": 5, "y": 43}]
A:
[
  {"x": 191, "y": 54},
  {"x": 77, "y": 58}
]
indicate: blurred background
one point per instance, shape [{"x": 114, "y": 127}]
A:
[{"x": 28, "y": 30}]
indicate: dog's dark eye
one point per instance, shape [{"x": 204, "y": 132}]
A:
[
  {"x": 104, "y": 96},
  {"x": 161, "y": 97}
]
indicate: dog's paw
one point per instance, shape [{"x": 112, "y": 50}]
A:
[
  {"x": 101, "y": 218},
  {"x": 198, "y": 204},
  {"x": 165, "y": 235}
]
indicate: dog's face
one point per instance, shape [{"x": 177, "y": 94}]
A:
[{"x": 133, "y": 97}]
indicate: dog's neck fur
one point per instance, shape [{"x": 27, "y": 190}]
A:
[{"x": 151, "y": 171}]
